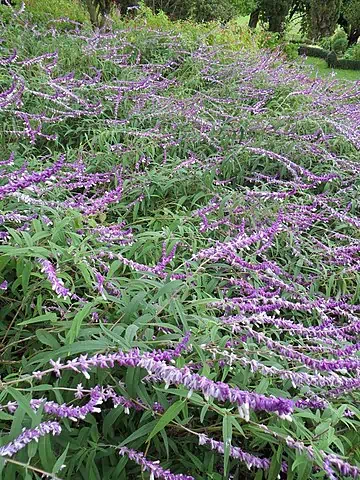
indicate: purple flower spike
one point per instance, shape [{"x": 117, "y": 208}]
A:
[
  {"x": 57, "y": 283},
  {"x": 27, "y": 436},
  {"x": 156, "y": 471}
]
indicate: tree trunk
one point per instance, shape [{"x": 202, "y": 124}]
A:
[
  {"x": 254, "y": 18},
  {"x": 343, "y": 22},
  {"x": 92, "y": 9},
  {"x": 276, "y": 24},
  {"x": 103, "y": 21},
  {"x": 354, "y": 36}
]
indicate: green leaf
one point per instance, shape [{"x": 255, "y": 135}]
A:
[
  {"x": 203, "y": 412},
  {"x": 130, "y": 333},
  {"x": 322, "y": 428},
  {"x": 262, "y": 386},
  {"x": 22, "y": 402},
  {"x": 132, "y": 380},
  {"x": 2, "y": 465},
  {"x": 48, "y": 317},
  {"x": 165, "y": 442},
  {"x": 25, "y": 252},
  {"x": 338, "y": 443},
  {"x": 60, "y": 461},
  {"x": 227, "y": 437},
  {"x": 197, "y": 462},
  {"x": 109, "y": 421},
  {"x": 168, "y": 289},
  {"x": 172, "y": 412},
  {"x": 74, "y": 331},
  {"x": 134, "y": 305},
  {"x": 47, "y": 339},
  {"x": 85, "y": 273},
  {"x": 25, "y": 276},
  {"x": 140, "y": 432},
  {"x": 275, "y": 465},
  {"x": 300, "y": 460},
  {"x": 16, "y": 426}
]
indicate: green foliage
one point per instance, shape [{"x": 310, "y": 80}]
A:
[
  {"x": 340, "y": 34},
  {"x": 208, "y": 10},
  {"x": 5, "y": 13},
  {"x": 351, "y": 13},
  {"x": 231, "y": 35},
  {"x": 324, "y": 15},
  {"x": 348, "y": 64},
  {"x": 326, "y": 43},
  {"x": 337, "y": 42},
  {"x": 275, "y": 12},
  {"x": 313, "y": 51},
  {"x": 332, "y": 59},
  {"x": 340, "y": 45},
  {"x": 199, "y": 10},
  {"x": 291, "y": 50},
  {"x": 244, "y": 7},
  {"x": 43, "y": 10},
  {"x": 152, "y": 312},
  {"x": 353, "y": 53}
]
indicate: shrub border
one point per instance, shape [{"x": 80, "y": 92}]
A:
[{"x": 318, "y": 52}]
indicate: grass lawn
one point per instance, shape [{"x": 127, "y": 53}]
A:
[{"x": 321, "y": 69}]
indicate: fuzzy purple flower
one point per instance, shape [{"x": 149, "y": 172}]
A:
[
  {"x": 27, "y": 436},
  {"x": 156, "y": 471},
  {"x": 56, "y": 283}
]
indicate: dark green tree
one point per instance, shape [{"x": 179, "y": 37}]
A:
[
  {"x": 99, "y": 10},
  {"x": 202, "y": 10},
  {"x": 175, "y": 9},
  {"x": 254, "y": 17},
  {"x": 273, "y": 12},
  {"x": 350, "y": 19},
  {"x": 324, "y": 15},
  {"x": 207, "y": 10},
  {"x": 199, "y": 10},
  {"x": 301, "y": 9}
]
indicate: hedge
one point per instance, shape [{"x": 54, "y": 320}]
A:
[
  {"x": 318, "y": 52},
  {"x": 313, "y": 51},
  {"x": 348, "y": 64}
]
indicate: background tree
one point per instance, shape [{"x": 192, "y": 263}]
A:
[
  {"x": 350, "y": 16},
  {"x": 207, "y": 10},
  {"x": 244, "y": 7},
  {"x": 175, "y": 9},
  {"x": 324, "y": 15},
  {"x": 202, "y": 10},
  {"x": 274, "y": 12},
  {"x": 98, "y": 11},
  {"x": 300, "y": 9},
  {"x": 254, "y": 17}
]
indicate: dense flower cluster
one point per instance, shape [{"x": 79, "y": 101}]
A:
[
  {"x": 155, "y": 364},
  {"x": 179, "y": 226}
]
